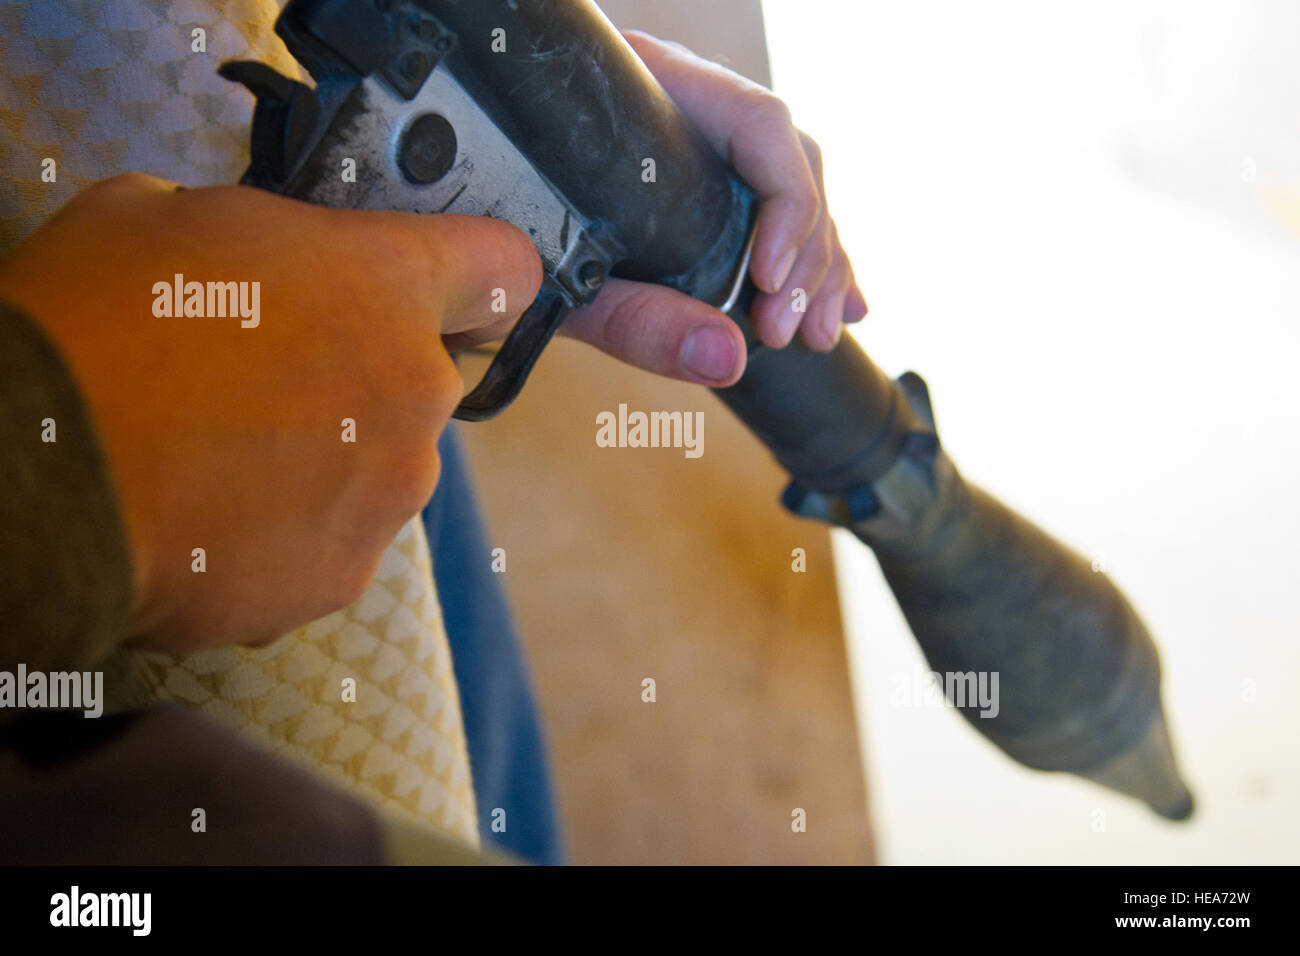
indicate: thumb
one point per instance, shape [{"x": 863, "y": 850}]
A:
[
  {"x": 662, "y": 331},
  {"x": 488, "y": 270}
]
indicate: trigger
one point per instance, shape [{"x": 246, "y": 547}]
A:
[{"x": 283, "y": 121}]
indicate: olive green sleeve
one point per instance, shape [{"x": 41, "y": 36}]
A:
[{"x": 65, "y": 570}]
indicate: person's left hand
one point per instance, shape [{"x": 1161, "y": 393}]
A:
[{"x": 796, "y": 247}]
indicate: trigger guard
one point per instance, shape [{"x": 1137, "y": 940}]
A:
[{"x": 511, "y": 364}]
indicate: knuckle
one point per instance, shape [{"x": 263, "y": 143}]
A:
[
  {"x": 118, "y": 189},
  {"x": 767, "y": 108},
  {"x": 410, "y": 479},
  {"x": 623, "y": 332},
  {"x": 421, "y": 393},
  {"x": 399, "y": 251},
  {"x": 248, "y": 200},
  {"x": 436, "y": 382},
  {"x": 761, "y": 116},
  {"x": 841, "y": 267},
  {"x": 419, "y": 402},
  {"x": 416, "y": 391},
  {"x": 813, "y": 151},
  {"x": 810, "y": 204},
  {"x": 354, "y": 579},
  {"x": 840, "y": 277},
  {"x": 531, "y": 275},
  {"x": 820, "y": 256},
  {"x": 826, "y": 249},
  {"x": 505, "y": 251},
  {"x": 816, "y": 268},
  {"x": 803, "y": 203},
  {"x": 394, "y": 256},
  {"x": 123, "y": 181}
]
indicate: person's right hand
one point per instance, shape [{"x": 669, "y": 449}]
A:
[{"x": 230, "y": 439}]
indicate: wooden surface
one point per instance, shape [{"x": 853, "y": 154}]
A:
[
  {"x": 628, "y": 563},
  {"x": 633, "y": 563}
]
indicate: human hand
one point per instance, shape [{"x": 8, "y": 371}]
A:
[
  {"x": 796, "y": 246},
  {"x": 228, "y": 434}
]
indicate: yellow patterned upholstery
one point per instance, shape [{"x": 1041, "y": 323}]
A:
[{"x": 400, "y": 743}]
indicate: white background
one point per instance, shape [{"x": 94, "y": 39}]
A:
[{"x": 1072, "y": 219}]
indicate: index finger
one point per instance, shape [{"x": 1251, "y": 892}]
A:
[{"x": 488, "y": 269}]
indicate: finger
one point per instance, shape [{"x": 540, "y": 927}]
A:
[
  {"x": 777, "y": 317},
  {"x": 855, "y": 306},
  {"x": 823, "y": 324},
  {"x": 821, "y": 332},
  {"x": 486, "y": 333},
  {"x": 751, "y": 127},
  {"x": 488, "y": 270},
  {"x": 662, "y": 331},
  {"x": 839, "y": 299},
  {"x": 855, "y": 303}
]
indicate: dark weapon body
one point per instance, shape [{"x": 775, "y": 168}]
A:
[{"x": 539, "y": 113}]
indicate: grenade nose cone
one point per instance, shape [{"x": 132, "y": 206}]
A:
[
  {"x": 1149, "y": 772},
  {"x": 1179, "y": 811}
]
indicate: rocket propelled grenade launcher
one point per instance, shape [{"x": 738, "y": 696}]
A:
[{"x": 539, "y": 113}]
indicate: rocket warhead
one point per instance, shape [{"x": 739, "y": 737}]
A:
[
  {"x": 1149, "y": 772},
  {"x": 986, "y": 591}
]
